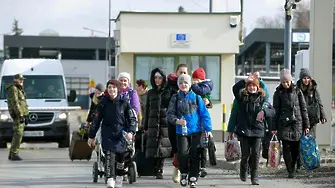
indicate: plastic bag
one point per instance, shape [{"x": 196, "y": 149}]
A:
[
  {"x": 233, "y": 149},
  {"x": 309, "y": 152},
  {"x": 274, "y": 152}
]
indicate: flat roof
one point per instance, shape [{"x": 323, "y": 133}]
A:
[
  {"x": 58, "y": 42},
  {"x": 188, "y": 13},
  {"x": 263, "y": 35}
]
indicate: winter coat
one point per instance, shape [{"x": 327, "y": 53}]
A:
[
  {"x": 250, "y": 104},
  {"x": 131, "y": 97},
  {"x": 291, "y": 116},
  {"x": 116, "y": 115},
  {"x": 195, "y": 113},
  {"x": 158, "y": 144},
  {"x": 204, "y": 89},
  {"x": 94, "y": 104},
  {"x": 16, "y": 99},
  {"x": 170, "y": 88},
  {"x": 240, "y": 85},
  {"x": 313, "y": 100}
]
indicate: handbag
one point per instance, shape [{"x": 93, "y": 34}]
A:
[
  {"x": 233, "y": 149},
  {"x": 274, "y": 154}
]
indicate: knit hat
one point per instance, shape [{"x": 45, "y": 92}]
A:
[
  {"x": 304, "y": 73},
  {"x": 158, "y": 74},
  {"x": 112, "y": 82},
  {"x": 99, "y": 87},
  {"x": 199, "y": 73},
  {"x": 124, "y": 75},
  {"x": 185, "y": 78},
  {"x": 285, "y": 75},
  {"x": 252, "y": 81},
  {"x": 173, "y": 77}
]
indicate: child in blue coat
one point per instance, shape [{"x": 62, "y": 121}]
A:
[
  {"x": 189, "y": 115},
  {"x": 203, "y": 87}
]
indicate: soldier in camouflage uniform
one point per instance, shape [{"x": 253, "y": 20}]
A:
[{"x": 18, "y": 110}]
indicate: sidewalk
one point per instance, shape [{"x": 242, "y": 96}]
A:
[{"x": 327, "y": 157}]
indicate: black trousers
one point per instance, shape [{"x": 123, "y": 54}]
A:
[
  {"x": 189, "y": 152},
  {"x": 290, "y": 153},
  {"x": 172, "y": 137},
  {"x": 203, "y": 157},
  {"x": 250, "y": 148},
  {"x": 158, "y": 164},
  {"x": 115, "y": 164}
]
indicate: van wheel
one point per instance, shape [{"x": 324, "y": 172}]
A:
[
  {"x": 3, "y": 144},
  {"x": 65, "y": 142}
]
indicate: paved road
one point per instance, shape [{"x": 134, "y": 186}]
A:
[{"x": 49, "y": 166}]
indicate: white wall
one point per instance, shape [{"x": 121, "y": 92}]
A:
[
  {"x": 97, "y": 70},
  {"x": 151, "y": 32}
]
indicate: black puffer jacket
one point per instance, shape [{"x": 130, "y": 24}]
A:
[
  {"x": 250, "y": 106},
  {"x": 312, "y": 98},
  {"x": 158, "y": 144},
  {"x": 289, "y": 102}
]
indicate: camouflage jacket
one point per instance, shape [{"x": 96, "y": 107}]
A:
[{"x": 16, "y": 100}]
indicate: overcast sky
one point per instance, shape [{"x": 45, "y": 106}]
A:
[{"x": 68, "y": 17}]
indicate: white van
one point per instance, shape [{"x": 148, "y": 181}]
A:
[{"x": 46, "y": 94}]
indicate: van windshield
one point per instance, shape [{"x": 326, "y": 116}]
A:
[{"x": 38, "y": 86}]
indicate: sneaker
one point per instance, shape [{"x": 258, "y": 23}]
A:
[
  {"x": 183, "y": 180},
  {"x": 125, "y": 178},
  {"x": 193, "y": 182},
  {"x": 118, "y": 181},
  {"x": 110, "y": 183},
  {"x": 176, "y": 175},
  {"x": 15, "y": 158},
  {"x": 203, "y": 172}
]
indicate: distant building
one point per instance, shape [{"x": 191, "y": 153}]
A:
[{"x": 84, "y": 58}]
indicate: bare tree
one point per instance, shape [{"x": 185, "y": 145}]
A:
[
  {"x": 181, "y": 9},
  {"x": 301, "y": 16},
  {"x": 270, "y": 22}
]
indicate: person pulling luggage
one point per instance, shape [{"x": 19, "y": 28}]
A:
[{"x": 117, "y": 118}]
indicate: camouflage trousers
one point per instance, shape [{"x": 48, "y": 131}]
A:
[{"x": 18, "y": 129}]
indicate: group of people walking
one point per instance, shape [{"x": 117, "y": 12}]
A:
[
  {"x": 173, "y": 114},
  {"x": 295, "y": 111}
]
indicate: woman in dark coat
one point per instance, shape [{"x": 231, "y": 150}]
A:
[
  {"x": 158, "y": 145},
  {"x": 250, "y": 126},
  {"x": 291, "y": 118},
  {"x": 95, "y": 97},
  {"x": 315, "y": 110}
]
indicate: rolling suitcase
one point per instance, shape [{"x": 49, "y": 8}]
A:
[
  {"x": 145, "y": 167},
  {"x": 79, "y": 149}
]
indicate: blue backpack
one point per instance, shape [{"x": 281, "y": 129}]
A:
[{"x": 309, "y": 152}]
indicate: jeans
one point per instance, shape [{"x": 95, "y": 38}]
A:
[
  {"x": 290, "y": 153},
  {"x": 250, "y": 148},
  {"x": 115, "y": 164},
  {"x": 189, "y": 151}
]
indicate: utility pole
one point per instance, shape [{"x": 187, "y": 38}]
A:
[
  {"x": 109, "y": 34},
  {"x": 210, "y": 6},
  {"x": 289, "y": 6}
]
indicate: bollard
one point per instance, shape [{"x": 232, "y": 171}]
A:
[{"x": 224, "y": 125}]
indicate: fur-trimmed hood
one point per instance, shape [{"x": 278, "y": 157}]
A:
[{"x": 152, "y": 77}]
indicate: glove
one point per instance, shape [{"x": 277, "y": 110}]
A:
[
  {"x": 22, "y": 119},
  {"x": 26, "y": 120}
]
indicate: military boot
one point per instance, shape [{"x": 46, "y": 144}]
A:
[{"x": 15, "y": 157}]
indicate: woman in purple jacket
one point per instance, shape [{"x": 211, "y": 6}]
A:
[{"x": 127, "y": 93}]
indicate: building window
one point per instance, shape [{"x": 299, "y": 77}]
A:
[
  {"x": 211, "y": 64},
  {"x": 145, "y": 64}
]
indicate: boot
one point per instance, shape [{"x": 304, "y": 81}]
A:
[
  {"x": 243, "y": 172},
  {"x": 254, "y": 177},
  {"x": 159, "y": 174},
  {"x": 203, "y": 172},
  {"x": 15, "y": 157}
]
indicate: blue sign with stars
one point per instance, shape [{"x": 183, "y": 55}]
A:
[{"x": 180, "y": 37}]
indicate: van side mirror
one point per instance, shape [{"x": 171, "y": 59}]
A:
[{"x": 72, "y": 97}]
